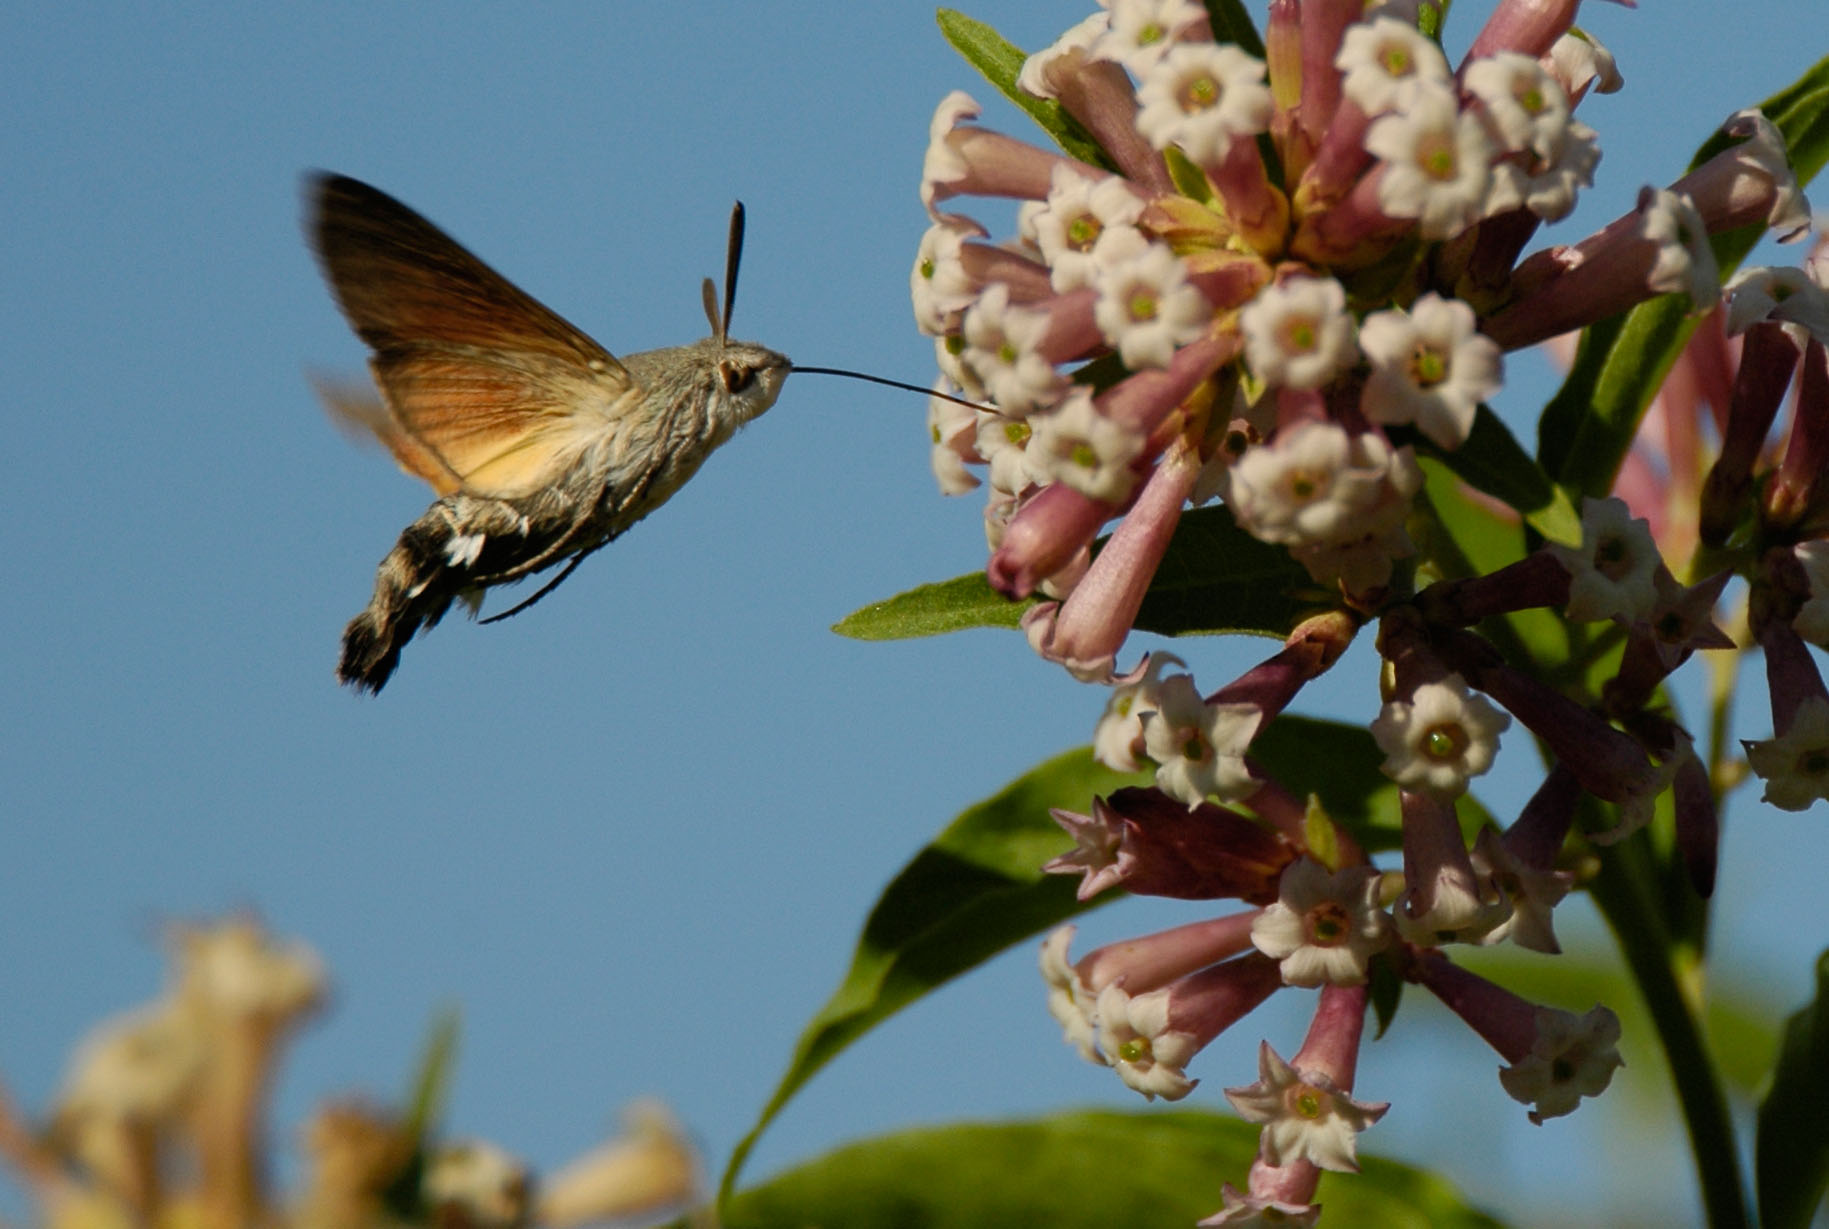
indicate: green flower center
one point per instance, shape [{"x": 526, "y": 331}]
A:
[
  {"x": 1327, "y": 925},
  {"x": 1439, "y": 160},
  {"x": 1007, "y": 351},
  {"x": 1397, "y": 62},
  {"x": 927, "y": 269},
  {"x": 1533, "y": 101},
  {"x": 1444, "y": 742},
  {"x": 1083, "y": 232},
  {"x": 1016, "y": 431},
  {"x": 1150, "y": 35},
  {"x": 1301, "y": 335},
  {"x": 1083, "y": 455},
  {"x": 1143, "y": 305},
  {"x": 1428, "y": 367},
  {"x": 1133, "y": 1051},
  {"x": 1307, "y": 1102},
  {"x": 1304, "y": 486},
  {"x": 1194, "y": 747},
  {"x": 1199, "y": 94}
]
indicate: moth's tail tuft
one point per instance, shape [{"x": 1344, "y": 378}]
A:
[{"x": 413, "y": 588}]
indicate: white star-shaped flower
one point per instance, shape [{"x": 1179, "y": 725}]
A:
[
  {"x": 1430, "y": 366},
  {"x": 1298, "y": 333},
  {"x": 1613, "y": 573},
  {"x": 1444, "y": 736},
  {"x": 1795, "y": 764},
  {"x": 1305, "y": 1116},
  {"x": 1573, "y": 1057},
  {"x": 1324, "y": 926}
]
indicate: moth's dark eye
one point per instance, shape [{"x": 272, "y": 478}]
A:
[{"x": 736, "y": 376}]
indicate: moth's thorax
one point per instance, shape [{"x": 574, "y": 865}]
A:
[{"x": 687, "y": 401}]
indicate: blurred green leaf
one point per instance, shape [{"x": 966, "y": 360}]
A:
[
  {"x": 976, "y": 890},
  {"x": 430, "y": 1093},
  {"x": 1791, "y": 1155},
  {"x": 1084, "y": 1170},
  {"x": 1589, "y": 424},
  {"x": 1213, "y": 578},
  {"x": 1001, "y": 61}
]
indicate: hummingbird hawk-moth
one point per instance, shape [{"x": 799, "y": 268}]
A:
[{"x": 542, "y": 446}]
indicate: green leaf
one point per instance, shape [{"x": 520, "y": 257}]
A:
[
  {"x": 1470, "y": 538},
  {"x": 1339, "y": 763},
  {"x": 1213, "y": 578},
  {"x": 977, "y": 889},
  {"x": 1001, "y": 61},
  {"x": 1589, "y": 424},
  {"x": 930, "y": 610},
  {"x": 1216, "y": 578},
  {"x": 1083, "y": 1170},
  {"x": 431, "y": 1092},
  {"x": 1232, "y": 24},
  {"x": 1791, "y": 1155},
  {"x": 1491, "y": 460}
]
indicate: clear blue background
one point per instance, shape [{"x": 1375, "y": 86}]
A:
[{"x": 634, "y": 832}]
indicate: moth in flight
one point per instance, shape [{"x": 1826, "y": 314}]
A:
[{"x": 542, "y": 446}]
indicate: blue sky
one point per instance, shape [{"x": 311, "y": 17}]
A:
[{"x": 633, "y": 833}]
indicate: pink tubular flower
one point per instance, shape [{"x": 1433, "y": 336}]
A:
[
  {"x": 1445, "y": 900},
  {"x": 1152, "y": 845},
  {"x": 1151, "y": 1036},
  {"x": 1305, "y": 1105},
  {"x": 1556, "y": 1058}
]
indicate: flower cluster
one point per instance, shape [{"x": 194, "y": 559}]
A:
[
  {"x": 1285, "y": 283},
  {"x": 161, "y": 1121}
]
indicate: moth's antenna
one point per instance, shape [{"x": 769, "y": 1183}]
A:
[
  {"x": 733, "y": 257},
  {"x": 711, "y": 310}
]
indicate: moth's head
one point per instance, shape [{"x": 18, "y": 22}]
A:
[{"x": 748, "y": 377}]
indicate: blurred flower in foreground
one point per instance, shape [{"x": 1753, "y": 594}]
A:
[
  {"x": 1287, "y": 282},
  {"x": 161, "y": 1121}
]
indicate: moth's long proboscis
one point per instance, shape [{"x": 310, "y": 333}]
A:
[{"x": 913, "y": 388}]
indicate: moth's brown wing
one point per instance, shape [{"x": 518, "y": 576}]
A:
[
  {"x": 364, "y": 417},
  {"x": 484, "y": 385}
]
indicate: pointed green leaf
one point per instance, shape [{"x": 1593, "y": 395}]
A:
[
  {"x": 1589, "y": 424},
  {"x": 976, "y": 890},
  {"x": 1084, "y": 1170},
  {"x": 1791, "y": 1155},
  {"x": 931, "y": 610},
  {"x": 1001, "y": 61},
  {"x": 1213, "y": 578},
  {"x": 1491, "y": 460}
]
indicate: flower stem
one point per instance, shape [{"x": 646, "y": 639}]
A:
[{"x": 1622, "y": 890}]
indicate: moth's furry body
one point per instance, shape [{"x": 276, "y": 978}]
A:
[
  {"x": 464, "y": 544},
  {"x": 541, "y": 444}
]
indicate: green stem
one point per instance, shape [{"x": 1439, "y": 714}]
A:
[{"x": 1621, "y": 891}]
